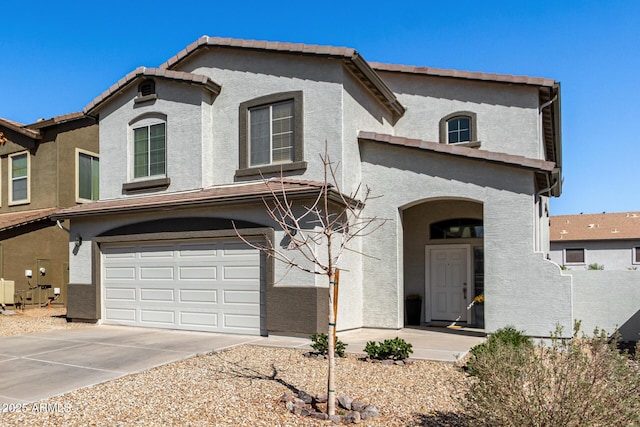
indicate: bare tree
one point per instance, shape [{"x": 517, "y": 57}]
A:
[{"x": 321, "y": 233}]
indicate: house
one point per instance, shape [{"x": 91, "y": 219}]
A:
[
  {"x": 610, "y": 240},
  {"x": 464, "y": 164},
  {"x": 44, "y": 166}
]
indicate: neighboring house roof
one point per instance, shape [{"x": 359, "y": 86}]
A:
[
  {"x": 20, "y": 128},
  {"x": 17, "y": 219},
  {"x": 33, "y": 130},
  {"x": 351, "y": 58},
  {"x": 604, "y": 226},
  {"x": 142, "y": 73},
  {"x": 244, "y": 192}
]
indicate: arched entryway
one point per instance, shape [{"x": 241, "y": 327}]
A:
[{"x": 444, "y": 257}]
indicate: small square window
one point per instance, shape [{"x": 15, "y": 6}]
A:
[
  {"x": 574, "y": 256},
  {"x": 459, "y": 130}
]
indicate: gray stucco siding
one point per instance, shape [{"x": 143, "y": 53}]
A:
[
  {"x": 507, "y": 116},
  {"x": 522, "y": 288}
]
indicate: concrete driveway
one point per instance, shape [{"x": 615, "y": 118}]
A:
[{"x": 38, "y": 366}]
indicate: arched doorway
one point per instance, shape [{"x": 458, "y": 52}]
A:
[{"x": 444, "y": 257}]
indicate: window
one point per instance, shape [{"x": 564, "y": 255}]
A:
[
  {"x": 574, "y": 256},
  {"x": 271, "y": 134},
  {"x": 149, "y": 151},
  {"x": 459, "y": 228},
  {"x": 636, "y": 255},
  {"x": 459, "y": 128},
  {"x": 19, "y": 178},
  {"x": 87, "y": 171}
]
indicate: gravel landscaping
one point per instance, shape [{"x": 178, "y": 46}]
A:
[{"x": 243, "y": 386}]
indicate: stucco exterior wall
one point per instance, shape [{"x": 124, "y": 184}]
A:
[
  {"x": 248, "y": 75},
  {"x": 507, "y": 115},
  {"x": 521, "y": 287},
  {"x": 612, "y": 254},
  {"x": 608, "y": 300},
  {"x": 183, "y": 106}
]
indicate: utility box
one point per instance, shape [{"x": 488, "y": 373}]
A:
[{"x": 7, "y": 291}]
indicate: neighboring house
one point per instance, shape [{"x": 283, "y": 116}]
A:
[
  {"x": 463, "y": 162},
  {"x": 610, "y": 240},
  {"x": 43, "y": 166}
]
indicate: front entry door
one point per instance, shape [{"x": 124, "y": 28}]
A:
[{"x": 448, "y": 279}]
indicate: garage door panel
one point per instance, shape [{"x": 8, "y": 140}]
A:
[
  {"x": 156, "y": 273},
  {"x": 155, "y": 317},
  {"x": 121, "y": 273},
  {"x": 121, "y": 314},
  {"x": 206, "y": 296},
  {"x": 125, "y": 294},
  {"x": 197, "y": 273},
  {"x": 209, "y": 285},
  {"x": 166, "y": 295}
]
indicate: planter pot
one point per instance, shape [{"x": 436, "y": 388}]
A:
[
  {"x": 478, "y": 311},
  {"x": 413, "y": 307}
]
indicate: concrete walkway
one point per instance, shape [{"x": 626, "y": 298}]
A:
[{"x": 38, "y": 366}]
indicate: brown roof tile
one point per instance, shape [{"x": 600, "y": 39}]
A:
[
  {"x": 470, "y": 153},
  {"x": 604, "y": 226},
  {"x": 235, "y": 193},
  {"x": 358, "y": 65},
  {"x": 20, "y": 128},
  {"x": 460, "y": 74},
  {"x": 142, "y": 72},
  {"x": 16, "y": 219}
]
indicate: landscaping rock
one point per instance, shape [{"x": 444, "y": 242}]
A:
[
  {"x": 322, "y": 397},
  {"x": 336, "y": 418},
  {"x": 372, "y": 411},
  {"x": 352, "y": 417},
  {"x": 299, "y": 402},
  {"x": 305, "y": 397},
  {"x": 345, "y": 401},
  {"x": 358, "y": 406},
  {"x": 319, "y": 416}
]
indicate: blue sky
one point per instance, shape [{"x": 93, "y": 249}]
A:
[{"x": 56, "y": 59}]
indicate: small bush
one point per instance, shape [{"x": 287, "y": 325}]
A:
[
  {"x": 583, "y": 381},
  {"x": 507, "y": 336},
  {"x": 320, "y": 343},
  {"x": 396, "y": 349}
]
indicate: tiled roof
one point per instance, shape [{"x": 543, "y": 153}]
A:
[
  {"x": 20, "y": 128},
  {"x": 453, "y": 150},
  {"x": 142, "y": 72},
  {"x": 459, "y": 74},
  {"x": 604, "y": 226},
  {"x": 354, "y": 62},
  {"x": 16, "y": 219},
  {"x": 33, "y": 130},
  {"x": 234, "y": 193}
]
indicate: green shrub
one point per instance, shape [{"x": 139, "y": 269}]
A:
[
  {"x": 583, "y": 381},
  {"x": 595, "y": 266},
  {"x": 507, "y": 336},
  {"x": 320, "y": 343},
  {"x": 396, "y": 349}
]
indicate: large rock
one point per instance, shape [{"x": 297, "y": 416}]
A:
[
  {"x": 345, "y": 401},
  {"x": 352, "y": 417}
]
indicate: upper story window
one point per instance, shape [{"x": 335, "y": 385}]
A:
[
  {"x": 88, "y": 176},
  {"x": 459, "y": 128},
  {"x": 149, "y": 151},
  {"x": 271, "y": 134},
  {"x": 574, "y": 256},
  {"x": 19, "y": 178}
]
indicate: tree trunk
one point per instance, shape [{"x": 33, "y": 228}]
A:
[{"x": 331, "y": 393}]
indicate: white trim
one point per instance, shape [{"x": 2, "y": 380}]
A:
[
  {"x": 28, "y": 177},
  {"x": 77, "y": 173},
  {"x": 427, "y": 285}
]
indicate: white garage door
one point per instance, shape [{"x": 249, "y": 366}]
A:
[{"x": 211, "y": 285}]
